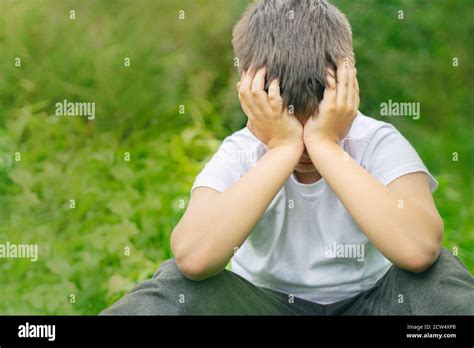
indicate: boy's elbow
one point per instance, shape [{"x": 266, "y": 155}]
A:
[
  {"x": 421, "y": 260},
  {"x": 190, "y": 264},
  {"x": 421, "y": 263},
  {"x": 194, "y": 268}
]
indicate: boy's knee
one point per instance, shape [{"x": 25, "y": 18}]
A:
[
  {"x": 446, "y": 265},
  {"x": 444, "y": 288},
  {"x": 168, "y": 269},
  {"x": 162, "y": 295},
  {"x": 450, "y": 267}
]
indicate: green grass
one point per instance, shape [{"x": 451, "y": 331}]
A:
[{"x": 135, "y": 204}]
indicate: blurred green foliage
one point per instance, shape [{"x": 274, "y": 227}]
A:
[{"x": 134, "y": 204}]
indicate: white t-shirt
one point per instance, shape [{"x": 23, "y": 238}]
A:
[{"x": 306, "y": 244}]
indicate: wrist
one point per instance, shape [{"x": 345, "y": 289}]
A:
[
  {"x": 292, "y": 145},
  {"x": 319, "y": 140},
  {"x": 293, "y": 150}
]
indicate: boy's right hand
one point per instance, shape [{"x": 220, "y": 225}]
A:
[{"x": 267, "y": 119}]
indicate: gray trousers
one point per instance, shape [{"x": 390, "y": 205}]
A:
[{"x": 445, "y": 288}]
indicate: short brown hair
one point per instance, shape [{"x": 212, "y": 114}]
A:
[{"x": 296, "y": 40}]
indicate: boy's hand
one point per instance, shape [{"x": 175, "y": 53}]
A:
[
  {"x": 267, "y": 119},
  {"x": 338, "y": 109}
]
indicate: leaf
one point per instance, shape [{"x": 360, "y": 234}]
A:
[
  {"x": 60, "y": 267},
  {"x": 117, "y": 283},
  {"x": 21, "y": 177},
  {"x": 120, "y": 207},
  {"x": 123, "y": 174}
]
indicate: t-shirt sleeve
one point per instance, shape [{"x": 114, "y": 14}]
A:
[
  {"x": 224, "y": 168},
  {"x": 389, "y": 156}
]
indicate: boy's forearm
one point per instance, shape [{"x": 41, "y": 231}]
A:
[
  {"x": 402, "y": 235},
  {"x": 247, "y": 199},
  {"x": 237, "y": 210}
]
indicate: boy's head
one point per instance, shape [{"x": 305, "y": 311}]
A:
[{"x": 296, "y": 40}]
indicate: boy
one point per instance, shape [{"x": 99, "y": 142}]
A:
[{"x": 320, "y": 209}]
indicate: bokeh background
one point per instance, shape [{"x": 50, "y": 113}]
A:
[{"x": 189, "y": 62}]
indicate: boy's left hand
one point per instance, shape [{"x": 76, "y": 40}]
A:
[{"x": 337, "y": 110}]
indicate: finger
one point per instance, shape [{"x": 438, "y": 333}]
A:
[
  {"x": 259, "y": 80},
  {"x": 245, "y": 94},
  {"x": 331, "y": 72},
  {"x": 356, "y": 95},
  {"x": 242, "y": 74},
  {"x": 247, "y": 79},
  {"x": 351, "y": 88},
  {"x": 274, "y": 97},
  {"x": 342, "y": 82},
  {"x": 249, "y": 111},
  {"x": 259, "y": 95},
  {"x": 330, "y": 92}
]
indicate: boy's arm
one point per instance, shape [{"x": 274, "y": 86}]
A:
[
  {"x": 215, "y": 223},
  {"x": 400, "y": 219}
]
